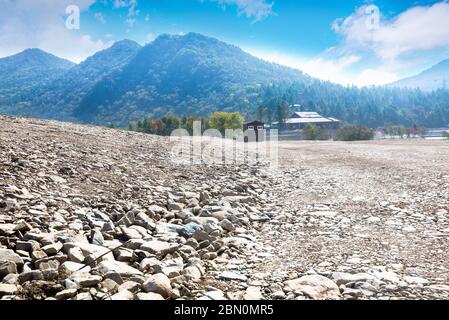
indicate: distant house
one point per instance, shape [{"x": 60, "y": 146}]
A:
[
  {"x": 258, "y": 128},
  {"x": 299, "y": 120}
]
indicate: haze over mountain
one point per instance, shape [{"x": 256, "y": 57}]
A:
[
  {"x": 194, "y": 74},
  {"x": 434, "y": 78}
]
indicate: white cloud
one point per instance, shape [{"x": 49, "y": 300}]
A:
[
  {"x": 100, "y": 17},
  {"x": 416, "y": 29},
  {"x": 130, "y": 4},
  {"x": 375, "y": 50},
  {"x": 257, "y": 9},
  {"x": 130, "y": 22},
  {"x": 41, "y": 24},
  {"x": 334, "y": 70}
]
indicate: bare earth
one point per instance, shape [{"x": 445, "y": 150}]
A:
[{"x": 365, "y": 220}]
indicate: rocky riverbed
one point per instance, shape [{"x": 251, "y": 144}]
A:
[{"x": 89, "y": 213}]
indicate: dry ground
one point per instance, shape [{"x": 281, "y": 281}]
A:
[{"x": 352, "y": 206}]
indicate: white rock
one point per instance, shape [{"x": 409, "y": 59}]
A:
[{"x": 314, "y": 286}]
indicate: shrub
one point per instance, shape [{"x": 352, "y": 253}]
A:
[
  {"x": 354, "y": 133},
  {"x": 311, "y": 132}
]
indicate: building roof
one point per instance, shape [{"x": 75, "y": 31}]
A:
[
  {"x": 256, "y": 122},
  {"x": 309, "y": 120},
  {"x": 306, "y": 115}
]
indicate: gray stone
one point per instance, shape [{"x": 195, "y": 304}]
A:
[
  {"x": 70, "y": 267},
  {"x": 192, "y": 273},
  {"x": 122, "y": 268},
  {"x": 32, "y": 275},
  {"x": 66, "y": 294},
  {"x": 85, "y": 280},
  {"x": 229, "y": 275},
  {"x": 76, "y": 255},
  {"x": 158, "y": 283},
  {"x": 7, "y": 267},
  {"x": 314, "y": 286},
  {"x": 7, "y": 289},
  {"x": 11, "y": 256},
  {"x": 52, "y": 249},
  {"x": 159, "y": 248},
  {"x": 131, "y": 286},
  {"x": 227, "y": 225}
]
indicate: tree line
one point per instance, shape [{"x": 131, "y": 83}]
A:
[{"x": 165, "y": 125}]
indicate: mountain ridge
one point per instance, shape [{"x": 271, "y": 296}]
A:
[
  {"x": 196, "y": 74},
  {"x": 434, "y": 78}
]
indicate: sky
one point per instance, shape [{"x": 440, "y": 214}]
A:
[{"x": 351, "y": 42}]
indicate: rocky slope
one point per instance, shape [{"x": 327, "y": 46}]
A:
[{"x": 95, "y": 213}]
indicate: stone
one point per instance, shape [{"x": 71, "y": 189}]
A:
[
  {"x": 188, "y": 230},
  {"x": 84, "y": 296},
  {"x": 7, "y": 289},
  {"x": 192, "y": 273},
  {"x": 27, "y": 246},
  {"x": 158, "y": 283},
  {"x": 123, "y": 295},
  {"x": 131, "y": 286},
  {"x": 12, "y": 278},
  {"x": 227, "y": 225},
  {"x": 76, "y": 255},
  {"x": 10, "y": 256},
  {"x": 345, "y": 278},
  {"x": 38, "y": 255},
  {"x": 32, "y": 275},
  {"x": 253, "y": 293},
  {"x": 66, "y": 294},
  {"x": 204, "y": 196},
  {"x": 70, "y": 267},
  {"x": 314, "y": 286},
  {"x": 7, "y": 267},
  {"x": 122, "y": 268},
  {"x": 85, "y": 280},
  {"x": 109, "y": 285},
  {"x": 214, "y": 295},
  {"x": 416, "y": 280},
  {"x": 175, "y": 206},
  {"x": 52, "y": 249},
  {"x": 149, "y": 296},
  {"x": 90, "y": 250},
  {"x": 229, "y": 275},
  {"x": 160, "y": 248}
]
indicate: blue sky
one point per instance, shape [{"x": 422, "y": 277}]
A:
[{"x": 329, "y": 39}]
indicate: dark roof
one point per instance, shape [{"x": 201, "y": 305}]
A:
[{"x": 255, "y": 123}]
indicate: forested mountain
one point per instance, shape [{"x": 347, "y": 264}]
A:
[
  {"x": 434, "y": 78},
  {"x": 183, "y": 74},
  {"x": 20, "y": 73},
  {"x": 195, "y": 74},
  {"x": 58, "y": 98}
]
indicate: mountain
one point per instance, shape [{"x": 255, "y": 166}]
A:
[
  {"x": 195, "y": 74},
  {"x": 23, "y": 71},
  {"x": 431, "y": 79},
  {"x": 57, "y": 99},
  {"x": 181, "y": 74}
]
